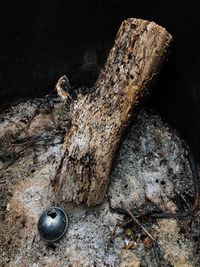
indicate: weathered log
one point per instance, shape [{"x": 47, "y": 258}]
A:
[{"x": 100, "y": 118}]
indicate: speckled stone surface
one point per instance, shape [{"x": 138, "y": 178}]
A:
[{"x": 149, "y": 170}]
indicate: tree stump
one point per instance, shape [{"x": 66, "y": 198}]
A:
[{"x": 100, "y": 118}]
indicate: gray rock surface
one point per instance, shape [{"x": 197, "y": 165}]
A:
[{"x": 150, "y": 170}]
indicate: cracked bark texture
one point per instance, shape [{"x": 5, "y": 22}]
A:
[{"x": 100, "y": 118}]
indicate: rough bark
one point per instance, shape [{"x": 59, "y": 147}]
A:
[{"x": 100, "y": 118}]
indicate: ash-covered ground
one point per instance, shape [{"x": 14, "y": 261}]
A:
[{"x": 150, "y": 173}]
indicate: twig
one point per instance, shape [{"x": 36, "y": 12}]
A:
[
  {"x": 154, "y": 242},
  {"x": 184, "y": 199},
  {"x": 124, "y": 224},
  {"x": 16, "y": 156},
  {"x": 33, "y": 241},
  {"x": 33, "y": 116},
  {"x": 136, "y": 221},
  {"x": 49, "y": 108},
  {"x": 155, "y": 251},
  {"x": 18, "y": 125},
  {"x": 28, "y": 142}
]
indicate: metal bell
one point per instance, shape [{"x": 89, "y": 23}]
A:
[{"x": 53, "y": 224}]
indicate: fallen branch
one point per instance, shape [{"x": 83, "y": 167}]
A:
[{"x": 100, "y": 118}]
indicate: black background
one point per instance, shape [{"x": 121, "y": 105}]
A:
[{"x": 42, "y": 40}]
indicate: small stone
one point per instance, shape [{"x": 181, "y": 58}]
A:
[
  {"x": 129, "y": 259},
  {"x": 147, "y": 242},
  {"x": 181, "y": 263},
  {"x": 131, "y": 245}
]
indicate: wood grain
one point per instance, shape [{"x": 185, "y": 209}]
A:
[{"x": 100, "y": 118}]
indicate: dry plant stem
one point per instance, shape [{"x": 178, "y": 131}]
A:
[
  {"x": 100, "y": 118},
  {"x": 136, "y": 221},
  {"x": 33, "y": 116}
]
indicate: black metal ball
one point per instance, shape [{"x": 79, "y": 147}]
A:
[{"x": 53, "y": 224}]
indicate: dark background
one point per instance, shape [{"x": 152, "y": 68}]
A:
[{"x": 42, "y": 40}]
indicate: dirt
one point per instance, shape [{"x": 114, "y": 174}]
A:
[{"x": 150, "y": 173}]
